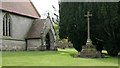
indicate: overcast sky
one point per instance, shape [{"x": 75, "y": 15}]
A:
[{"x": 45, "y": 6}]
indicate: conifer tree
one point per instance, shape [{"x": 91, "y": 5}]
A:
[{"x": 105, "y": 24}]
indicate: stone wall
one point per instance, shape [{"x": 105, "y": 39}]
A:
[
  {"x": 33, "y": 44},
  {"x": 20, "y": 25},
  {"x": 13, "y": 45},
  {"x": 52, "y": 40},
  {"x": 1, "y": 29}
]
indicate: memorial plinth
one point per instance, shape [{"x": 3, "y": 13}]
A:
[{"x": 89, "y": 51}]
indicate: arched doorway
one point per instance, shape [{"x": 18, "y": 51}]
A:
[{"x": 47, "y": 40}]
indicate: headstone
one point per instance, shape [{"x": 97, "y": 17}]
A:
[{"x": 89, "y": 50}]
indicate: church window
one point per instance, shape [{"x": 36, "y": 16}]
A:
[{"x": 6, "y": 25}]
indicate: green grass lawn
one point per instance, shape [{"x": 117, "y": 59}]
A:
[
  {"x": 53, "y": 58},
  {"x": 0, "y": 58}
]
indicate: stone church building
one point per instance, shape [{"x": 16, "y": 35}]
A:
[{"x": 22, "y": 29}]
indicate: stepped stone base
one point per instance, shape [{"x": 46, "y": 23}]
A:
[{"x": 89, "y": 51}]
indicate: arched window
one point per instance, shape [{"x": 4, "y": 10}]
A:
[{"x": 6, "y": 25}]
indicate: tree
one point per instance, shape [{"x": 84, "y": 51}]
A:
[
  {"x": 119, "y": 7},
  {"x": 105, "y": 27}
]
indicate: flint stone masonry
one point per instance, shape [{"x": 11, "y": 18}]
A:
[
  {"x": 12, "y": 45},
  {"x": 33, "y": 44},
  {"x": 20, "y": 26}
]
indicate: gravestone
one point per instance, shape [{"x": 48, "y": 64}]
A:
[{"x": 89, "y": 50}]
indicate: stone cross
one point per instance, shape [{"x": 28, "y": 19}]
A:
[{"x": 89, "y": 41}]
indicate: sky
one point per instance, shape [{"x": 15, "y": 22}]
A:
[{"x": 45, "y": 6}]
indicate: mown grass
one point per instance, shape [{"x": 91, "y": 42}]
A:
[
  {"x": 0, "y": 58},
  {"x": 53, "y": 58}
]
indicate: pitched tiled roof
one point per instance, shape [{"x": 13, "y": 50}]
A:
[
  {"x": 39, "y": 26},
  {"x": 25, "y": 8},
  {"x": 36, "y": 28}
]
